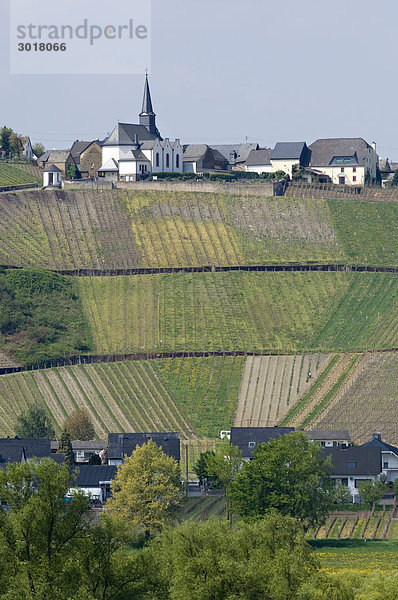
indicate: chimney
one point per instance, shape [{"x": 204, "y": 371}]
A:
[
  {"x": 377, "y": 436},
  {"x": 374, "y": 146}
]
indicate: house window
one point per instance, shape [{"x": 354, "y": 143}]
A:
[
  {"x": 354, "y": 178},
  {"x": 178, "y": 161},
  {"x": 344, "y": 481},
  {"x": 354, "y": 169},
  {"x": 342, "y": 169},
  {"x": 342, "y": 180},
  {"x": 167, "y": 160},
  {"x": 358, "y": 482},
  {"x": 351, "y": 464},
  {"x": 157, "y": 159},
  {"x": 385, "y": 465},
  {"x": 252, "y": 444}
]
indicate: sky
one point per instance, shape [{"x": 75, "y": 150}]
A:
[{"x": 223, "y": 71}]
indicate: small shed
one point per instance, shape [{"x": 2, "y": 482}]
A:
[{"x": 52, "y": 176}]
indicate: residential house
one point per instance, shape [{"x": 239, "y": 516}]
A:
[
  {"x": 95, "y": 481},
  {"x": 83, "y": 450},
  {"x": 124, "y": 444},
  {"x": 247, "y": 438},
  {"x": 389, "y": 456},
  {"x": 27, "y": 149},
  {"x": 347, "y": 161},
  {"x": 52, "y": 176},
  {"x": 16, "y": 449},
  {"x": 87, "y": 157},
  {"x": 236, "y": 154},
  {"x": 330, "y": 438},
  {"x": 286, "y": 155},
  {"x": 259, "y": 161},
  {"x": 62, "y": 159},
  {"x": 198, "y": 158},
  {"x": 353, "y": 465},
  {"x": 138, "y": 149}
]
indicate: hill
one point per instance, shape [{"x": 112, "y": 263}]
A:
[
  {"x": 11, "y": 174},
  {"x": 118, "y": 230}
]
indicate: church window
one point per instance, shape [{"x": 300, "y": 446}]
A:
[
  {"x": 167, "y": 160},
  {"x": 178, "y": 161},
  {"x": 157, "y": 159}
]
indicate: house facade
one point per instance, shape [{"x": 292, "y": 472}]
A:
[
  {"x": 247, "y": 438},
  {"x": 137, "y": 150},
  {"x": 62, "y": 159},
  {"x": 200, "y": 157},
  {"x": 330, "y": 438},
  {"x": 389, "y": 456},
  {"x": 346, "y": 161},
  {"x": 354, "y": 465},
  {"x": 124, "y": 444}
]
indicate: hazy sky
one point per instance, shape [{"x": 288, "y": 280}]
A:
[{"x": 226, "y": 69}]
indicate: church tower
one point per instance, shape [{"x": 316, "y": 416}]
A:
[{"x": 147, "y": 116}]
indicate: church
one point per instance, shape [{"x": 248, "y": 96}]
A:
[{"x": 133, "y": 151}]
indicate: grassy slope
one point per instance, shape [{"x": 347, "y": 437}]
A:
[
  {"x": 41, "y": 316},
  {"x": 165, "y": 229},
  {"x": 15, "y": 175},
  {"x": 357, "y": 555},
  {"x": 242, "y": 311}
]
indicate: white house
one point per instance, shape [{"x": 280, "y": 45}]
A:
[
  {"x": 283, "y": 157},
  {"x": 347, "y": 161},
  {"x": 353, "y": 465},
  {"x": 137, "y": 150},
  {"x": 259, "y": 161},
  {"x": 329, "y": 438},
  {"x": 27, "y": 149},
  {"x": 52, "y": 176},
  {"x": 389, "y": 456}
]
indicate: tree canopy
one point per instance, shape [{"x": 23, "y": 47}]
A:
[
  {"x": 34, "y": 423},
  {"x": 79, "y": 425},
  {"x": 147, "y": 488},
  {"x": 289, "y": 475}
]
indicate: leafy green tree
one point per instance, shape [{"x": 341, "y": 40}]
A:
[
  {"x": 71, "y": 171},
  {"x": 331, "y": 586},
  {"x": 16, "y": 146},
  {"x": 94, "y": 459},
  {"x": 268, "y": 559},
  {"x": 5, "y": 133},
  {"x": 34, "y": 423},
  {"x": 79, "y": 425},
  {"x": 223, "y": 466},
  {"x": 341, "y": 494},
  {"x": 380, "y": 586},
  {"x": 65, "y": 446},
  {"x": 288, "y": 474},
  {"x": 147, "y": 489},
  {"x": 372, "y": 491},
  {"x": 39, "y": 150},
  {"x": 39, "y": 531}
]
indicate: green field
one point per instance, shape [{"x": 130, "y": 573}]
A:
[
  {"x": 19, "y": 174},
  {"x": 67, "y": 230},
  {"x": 285, "y": 312},
  {"x": 357, "y": 555}
]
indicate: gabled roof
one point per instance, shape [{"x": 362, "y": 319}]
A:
[
  {"x": 17, "y": 449},
  {"x": 110, "y": 165},
  {"x": 288, "y": 150},
  {"x": 124, "y": 135},
  {"x": 259, "y": 157},
  {"x": 55, "y": 156},
  {"x": 328, "y": 434},
  {"x": 121, "y": 444},
  {"x": 91, "y": 475},
  {"x": 135, "y": 155},
  {"x": 148, "y": 144},
  {"x": 324, "y": 150},
  {"x": 354, "y": 460},
  {"x": 78, "y": 147},
  {"x": 241, "y": 436},
  {"x": 377, "y": 442},
  {"x": 82, "y": 445},
  {"x": 241, "y": 151},
  {"x": 50, "y": 168},
  {"x": 194, "y": 151},
  {"x": 25, "y": 141}
]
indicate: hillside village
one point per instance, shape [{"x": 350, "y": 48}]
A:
[{"x": 136, "y": 152}]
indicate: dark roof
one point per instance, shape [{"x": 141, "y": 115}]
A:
[
  {"x": 377, "y": 442},
  {"x": 194, "y": 151},
  {"x": 50, "y": 168},
  {"x": 82, "y": 444},
  {"x": 288, "y": 150},
  {"x": 259, "y": 157},
  {"x": 354, "y": 460},
  {"x": 124, "y": 135},
  {"x": 323, "y": 151},
  {"x": 147, "y": 101},
  {"x": 328, "y": 434},
  {"x": 16, "y": 449},
  {"x": 58, "y": 156},
  {"x": 121, "y": 444},
  {"x": 91, "y": 475},
  {"x": 137, "y": 155},
  {"x": 78, "y": 147},
  {"x": 240, "y": 151},
  {"x": 241, "y": 436}
]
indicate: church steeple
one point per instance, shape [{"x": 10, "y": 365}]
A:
[{"x": 147, "y": 116}]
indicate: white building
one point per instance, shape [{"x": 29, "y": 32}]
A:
[
  {"x": 354, "y": 465},
  {"x": 346, "y": 161},
  {"x": 137, "y": 150},
  {"x": 283, "y": 157},
  {"x": 389, "y": 456},
  {"x": 52, "y": 176}
]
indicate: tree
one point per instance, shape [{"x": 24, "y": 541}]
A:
[
  {"x": 5, "y": 133},
  {"x": 95, "y": 459},
  {"x": 380, "y": 586},
  {"x": 65, "y": 446},
  {"x": 39, "y": 530},
  {"x": 39, "y": 150},
  {"x": 71, "y": 171},
  {"x": 147, "y": 489},
  {"x": 288, "y": 474},
  {"x": 34, "y": 423},
  {"x": 223, "y": 466},
  {"x": 331, "y": 586},
  {"x": 79, "y": 425},
  {"x": 341, "y": 494},
  {"x": 16, "y": 146},
  {"x": 372, "y": 491},
  {"x": 209, "y": 560},
  {"x": 394, "y": 181}
]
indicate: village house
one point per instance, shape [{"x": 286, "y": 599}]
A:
[
  {"x": 124, "y": 444},
  {"x": 198, "y": 158},
  {"x": 87, "y": 157},
  {"x": 83, "y": 450},
  {"x": 330, "y": 438},
  {"x": 247, "y": 438},
  {"x": 62, "y": 159},
  {"x": 346, "y": 161},
  {"x": 235, "y": 154},
  {"x": 52, "y": 176},
  {"x": 389, "y": 456},
  {"x": 27, "y": 149}
]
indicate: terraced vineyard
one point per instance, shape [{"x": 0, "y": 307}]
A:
[
  {"x": 355, "y": 526},
  {"x": 115, "y": 229},
  {"x": 246, "y": 311},
  {"x": 19, "y": 174}
]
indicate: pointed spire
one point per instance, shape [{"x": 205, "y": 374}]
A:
[{"x": 147, "y": 102}]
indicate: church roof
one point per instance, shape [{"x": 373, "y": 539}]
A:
[
  {"x": 136, "y": 155},
  {"x": 124, "y": 135},
  {"x": 147, "y": 101},
  {"x": 148, "y": 144}
]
